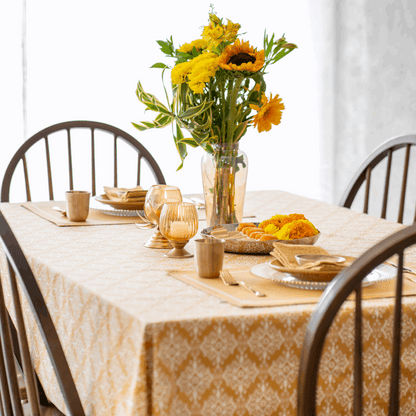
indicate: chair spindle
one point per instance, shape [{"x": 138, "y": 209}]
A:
[
  {"x": 5, "y": 408},
  {"x": 387, "y": 184},
  {"x": 71, "y": 175},
  {"x": 93, "y": 162},
  {"x": 26, "y": 175},
  {"x": 139, "y": 163},
  {"x": 8, "y": 358},
  {"x": 71, "y": 127},
  {"x": 367, "y": 189},
  {"x": 31, "y": 388},
  {"x": 358, "y": 363},
  {"x": 115, "y": 161},
  {"x": 404, "y": 184},
  {"x": 48, "y": 164},
  {"x": 395, "y": 372}
]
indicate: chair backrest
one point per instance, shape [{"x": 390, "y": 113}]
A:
[
  {"x": 20, "y": 272},
  {"x": 336, "y": 293},
  {"x": 363, "y": 174},
  {"x": 69, "y": 126}
]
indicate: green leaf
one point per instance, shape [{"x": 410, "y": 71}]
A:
[
  {"x": 265, "y": 40},
  {"x": 195, "y": 126},
  {"x": 281, "y": 55},
  {"x": 165, "y": 47},
  {"x": 197, "y": 110},
  {"x": 184, "y": 56},
  {"x": 150, "y": 101},
  {"x": 159, "y": 122},
  {"x": 139, "y": 127},
  {"x": 269, "y": 46},
  {"x": 190, "y": 142},
  {"x": 181, "y": 147},
  {"x": 253, "y": 97},
  {"x": 160, "y": 65},
  {"x": 240, "y": 131},
  {"x": 257, "y": 78},
  {"x": 162, "y": 120},
  {"x": 209, "y": 149}
]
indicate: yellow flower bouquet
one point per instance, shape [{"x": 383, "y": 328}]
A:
[{"x": 218, "y": 91}]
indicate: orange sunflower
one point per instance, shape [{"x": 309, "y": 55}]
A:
[
  {"x": 240, "y": 56},
  {"x": 269, "y": 113}
]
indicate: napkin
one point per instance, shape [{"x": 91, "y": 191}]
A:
[
  {"x": 285, "y": 254},
  {"x": 137, "y": 194}
]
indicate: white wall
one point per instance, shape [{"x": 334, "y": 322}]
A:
[
  {"x": 349, "y": 87},
  {"x": 85, "y": 58}
]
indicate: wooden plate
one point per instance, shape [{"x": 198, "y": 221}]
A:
[
  {"x": 307, "y": 275},
  {"x": 381, "y": 273},
  {"x": 251, "y": 246}
]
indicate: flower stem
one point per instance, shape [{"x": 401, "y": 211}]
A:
[
  {"x": 224, "y": 102},
  {"x": 233, "y": 105}
]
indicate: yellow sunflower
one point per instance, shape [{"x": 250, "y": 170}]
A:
[
  {"x": 269, "y": 113},
  {"x": 240, "y": 56}
]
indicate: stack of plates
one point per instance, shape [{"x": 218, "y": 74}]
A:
[
  {"x": 120, "y": 208},
  {"x": 271, "y": 271},
  {"x": 136, "y": 205}
]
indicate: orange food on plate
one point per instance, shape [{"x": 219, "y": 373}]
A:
[
  {"x": 245, "y": 224},
  {"x": 256, "y": 235},
  {"x": 253, "y": 231},
  {"x": 248, "y": 230}
]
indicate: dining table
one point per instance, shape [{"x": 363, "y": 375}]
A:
[{"x": 144, "y": 335}]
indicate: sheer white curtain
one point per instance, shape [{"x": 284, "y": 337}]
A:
[
  {"x": 375, "y": 81},
  {"x": 11, "y": 81},
  {"x": 349, "y": 86}
]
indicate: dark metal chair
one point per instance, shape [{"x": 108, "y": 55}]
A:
[
  {"x": 69, "y": 127},
  {"x": 14, "y": 351},
  {"x": 363, "y": 174},
  {"x": 338, "y": 290}
]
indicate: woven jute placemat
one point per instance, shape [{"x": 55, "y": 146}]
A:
[
  {"x": 278, "y": 294},
  {"x": 95, "y": 217}
]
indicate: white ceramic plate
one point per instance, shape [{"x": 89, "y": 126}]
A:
[
  {"x": 123, "y": 206},
  {"x": 106, "y": 209},
  {"x": 379, "y": 274}
]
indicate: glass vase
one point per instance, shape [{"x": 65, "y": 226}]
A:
[{"x": 224, "y": 178}]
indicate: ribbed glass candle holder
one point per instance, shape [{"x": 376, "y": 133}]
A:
[
  {"x": 156, "y": 196},
  {"x": 178, "y": 223}
]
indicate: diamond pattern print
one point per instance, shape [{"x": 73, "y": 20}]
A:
[{"x": 141, "y": 343}]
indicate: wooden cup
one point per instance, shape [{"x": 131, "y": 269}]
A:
[
  {"x": 209, "y": 257},
  {"x": 77, "y": 205}
]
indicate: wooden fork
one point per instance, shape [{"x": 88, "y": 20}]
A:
[{"x": 229, "y": 280}]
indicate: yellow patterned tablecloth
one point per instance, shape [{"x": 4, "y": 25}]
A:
[{"x": 140, "y": 342}]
